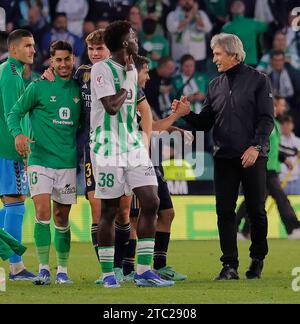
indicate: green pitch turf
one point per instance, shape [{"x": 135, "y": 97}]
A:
[{"x": 197, "y": 259}]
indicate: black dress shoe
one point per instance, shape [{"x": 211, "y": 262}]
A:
[
  {"x": 255, "y": 269},
  {"x": 228, "y": 273}
]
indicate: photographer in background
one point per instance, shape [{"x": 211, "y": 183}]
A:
[{"x": 189, "y": 27}]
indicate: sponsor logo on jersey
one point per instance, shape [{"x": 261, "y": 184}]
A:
[
  {"x": 150, "y": 172},
  {"x": 86, "y": 77},
  {"x": 53, "y": 99},
  {"x": 76, "y": 99},
  {"x": 67, "y": 190},
  {"x": 64, "y": 113}
]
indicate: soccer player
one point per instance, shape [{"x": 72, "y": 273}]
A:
[
  {"x": 166, "y": 211},
  {"x": 13, "y": 180},
  {"x": 97, "y": 51},
  {"x": 117, "y": 144},
  {"x": 55, "y": 109}
]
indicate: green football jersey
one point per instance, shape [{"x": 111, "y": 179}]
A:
[
  {"x": 11, "y": 89},
  {"x": 54, "y": 109}
]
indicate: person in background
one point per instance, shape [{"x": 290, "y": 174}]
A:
[
  {"x": 290, "y": 140},
  {"x": 189, "y": 26},
  {"x": 155, "y": 45},
  {"x": 246, "y": 29},
  {"x": 286, "y": 211}
]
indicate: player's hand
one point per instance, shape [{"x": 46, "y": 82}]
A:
[
  {"x": 48, "y": 75},
  {"x": 249, "y": 157},
  {"x": 22, "y": 145},
  {"x": 182, "y": 107},
  {"x": 25, "y": 162},
  {"x": 129, "y": 63}
]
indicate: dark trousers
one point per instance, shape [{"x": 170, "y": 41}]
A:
[
  {"x": 229, "y": 173},
  {"x": 286, "y": 211}
]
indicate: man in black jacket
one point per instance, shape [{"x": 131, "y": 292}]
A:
[{"x": 239, "y": 106}]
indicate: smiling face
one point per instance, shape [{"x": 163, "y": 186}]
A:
[
  {"x": 23, "y": 50},
  {"x": 97, "y": 52},
  {"x": 223, "y": 60},
  {"x": 62, "y": 62}
]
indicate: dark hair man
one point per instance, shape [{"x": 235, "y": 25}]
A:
[
  {"x": 55, "y": 109},
  {"x": 13, "y": 178}
]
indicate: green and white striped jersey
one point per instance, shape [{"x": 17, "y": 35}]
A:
[{"x": 118, "y": 134}]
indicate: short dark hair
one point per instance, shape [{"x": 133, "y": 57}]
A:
[
  {"x": 186, "y": 57},
  {"x": 60, "y": 46},
  {"x": 139, "y": 62},
  {"x": 163, "y": 60},
  {"x": 149, "y": 26},
  {"x": 16, "y": 35},
  {"x": 115, "y": 33},
  {"x": 276, "y": 53},
  {"x": 59, "y": 14},
  {"x": 285, "y": 118},
  {"x": 277, "y": 97}
]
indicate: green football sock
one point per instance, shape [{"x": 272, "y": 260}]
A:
[
  {"x": 145, "y": 249},
  {"x": 62, "y": 245},
  {"x": 42, "y": 237},
  {"x": 106, "y": 257}
]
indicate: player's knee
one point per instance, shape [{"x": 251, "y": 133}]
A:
[
  {"x": 123, "y": 216},
  {"x": 151, "y": 207},
  {"x": 167, "y": 216},
  {"x": 108, "y": 213},
  {"x": 43, "y": 214}
]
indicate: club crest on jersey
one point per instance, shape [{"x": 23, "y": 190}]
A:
[
  {"x": 129, "y": 95},
  {"x": 100, "y": 80},
  {"x": 53, "y": 99},
  {"x": 86, "y": 77},
  {"x": 76, "y": 99}
]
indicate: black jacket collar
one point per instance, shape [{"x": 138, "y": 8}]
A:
[{"x": 234, "y": 70}]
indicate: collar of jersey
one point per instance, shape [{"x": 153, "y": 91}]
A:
[
  {"x": 58, "y": 79},
  {"x": 18, "y": 64},
  {"x": 117, "y": 64}
]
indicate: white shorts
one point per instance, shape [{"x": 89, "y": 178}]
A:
[
  {"x": 60, "y": 183},
  {"x": 115, "y": 181}
]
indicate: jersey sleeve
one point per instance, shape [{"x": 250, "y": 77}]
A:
[
  {"x": 141, "y": 96},
  {"x": 19, "y": 110},
  {"x": 102, "y": 80},
  {"x": 11, "y": 94}
]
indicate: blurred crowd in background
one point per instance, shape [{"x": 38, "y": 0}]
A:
[{"x": 175, "y": 36}]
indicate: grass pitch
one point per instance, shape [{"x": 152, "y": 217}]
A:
[{"x": 197, "y": 259}]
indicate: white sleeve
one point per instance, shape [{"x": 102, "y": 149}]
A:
[
  {"x": 207, "y": 28},
  {"x": 172, "y": 22},
  {"x": 102, "y": 81}
]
